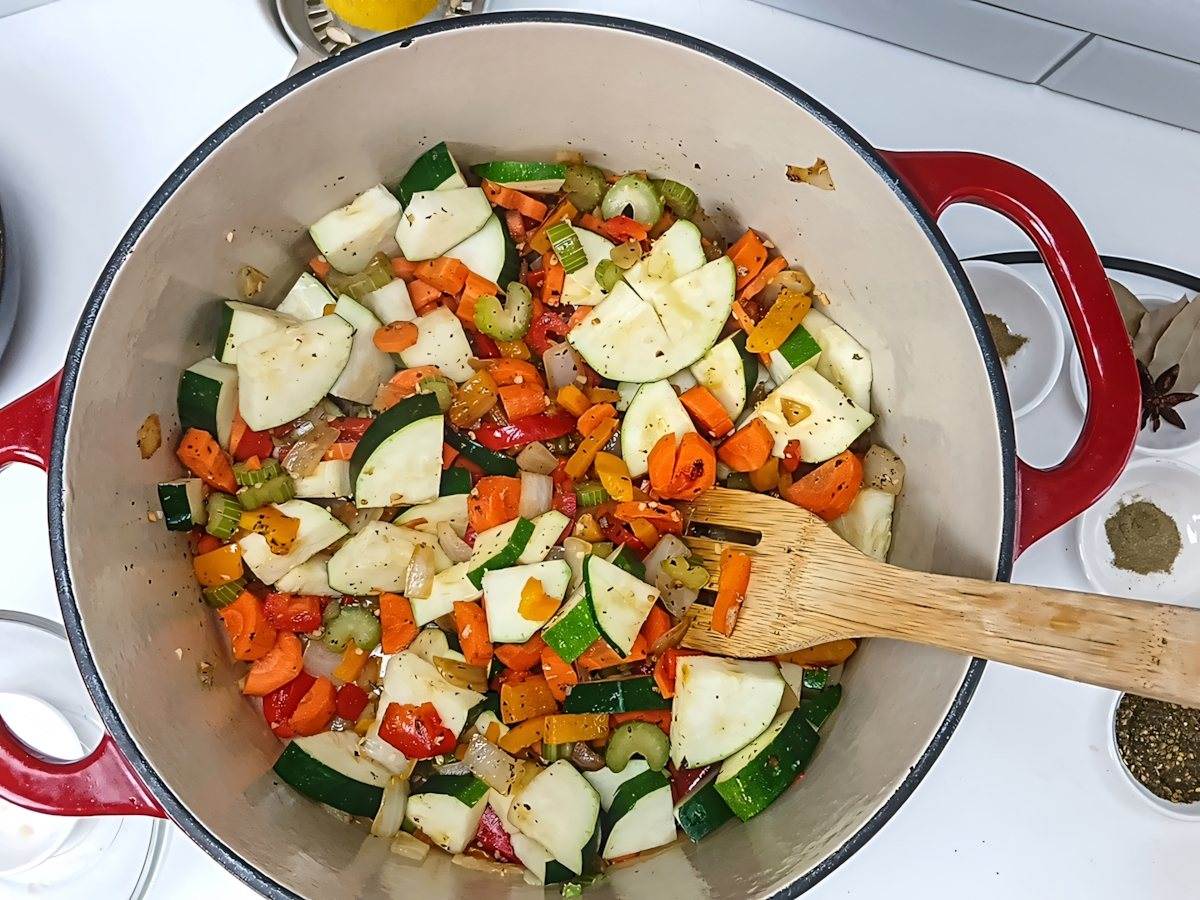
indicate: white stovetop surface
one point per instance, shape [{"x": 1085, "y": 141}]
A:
[{"x": 104, "y": 97}]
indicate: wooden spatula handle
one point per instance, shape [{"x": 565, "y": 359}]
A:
[{"x": 1151, "y": 649}]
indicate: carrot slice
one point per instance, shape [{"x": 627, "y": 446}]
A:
[
  {"x": 602, "y": 656},
  {"x": 424, "y": 296},
  {"x": 559, "y": 675},
  {"x": 472, "y": 627},
  {"x": 403, "y": 384},
  {"x": 495, "y": 499},
  {"x": 707, "y": 410},
  {"x": 769, "y": 271},
  {"x": 748, "y": 448},
  {"x": 661, "y": 463},
  {"x": 283, "y": 663},
  {"x": 320, "y": 266},
  {"x": 521, "y": 657},
  {"x": 594, "y": 416},
  {"x": 395, "y": 337},
  {"x": 512, "y": 199},
  {"x": 660, "y": 515},
  {"x": 445, "y": 273},
  {"x": 552, "y": 284},
  {"x": 506, "y": 371},
  {"x": 521, "y": 400},
  {"x": 251, "y": 635},
  {"x": 731, "y": 590},
  {"x": 316, "y": 709},
  {"x": 748, "y": 254},
  {"x": 397, "y": 622},
  {"x": 829, "y": 489},
  {"x": 203, "y": 457}
]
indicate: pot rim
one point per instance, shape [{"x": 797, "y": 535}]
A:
[{"x": 179, "y": 813}]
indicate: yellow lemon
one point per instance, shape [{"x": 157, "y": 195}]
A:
[{"x": 381, "y": 15}]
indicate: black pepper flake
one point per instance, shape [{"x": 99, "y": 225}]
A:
[{"x": 1160, "y": 744}]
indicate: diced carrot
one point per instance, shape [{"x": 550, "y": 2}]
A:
[
  {"x": 656, "y": 625},
  {"x": 510, "y": 199},
  {"x": 661, "y": 515},
  {"x": 516, "y": 226},
  {"x": 395, "y": 337},
  {"x": 237, "y": 432},
  {"x": 521, "y": 657},
  {"x": 320, "y": 266},
  {"x": 316, "y": 709},
  {"x": 525, "y": 700},
  {"x": 661, "y": 463},
  {"x": 474, "y": 288},
  {"x": 748, "y": 254},
  {"x": 466, "y": 310},
  {"x": 732, "y": 583},
  {"x": 472, "y": 627},
  {"x": 593, "y": 416},
  {"x": 573, "y": 400},
  {"x": 769, "y": 271},
  {"x": 251, "y": 635},
  {"x": 552, "y": 283},
  {"x": 494, "y": 500},
  {"x": 707, "y": 410},
  {"x": 283, "y": 663},
  {"x": 592, "y": 223},
  {"x": 340, "y": 450},
  {"x": 833, "y": 653},
  {"x": 659, "y": 717},
  {"x": 513, "y": 371},
  {"x": 424, "y": 296},
  {"x": 538, "y": 241},
  {"x": 445, "y": 273},
  {"x": 403, "y": 269},
  {"x": 449, "y": 454},
  {"x": 353, "y": 660},
  {"x": 559, "y": 675},
  {"x": 203, "y": 457},
  {"x": 403, "y": 384},
  {"x": 748, "y": 448},
  {"x": 396, "y": 621},
  {"x": 521, "y": 400},
  {"x": 829, "y": 489},
  {"x": 682, "y": 473}
]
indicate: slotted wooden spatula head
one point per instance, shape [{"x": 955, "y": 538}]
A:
[{"x": 801, "y": 574}]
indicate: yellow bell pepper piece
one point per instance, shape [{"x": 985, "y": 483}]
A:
[
  {"x": 614, "y": 475},
  {"x": 219, "y": 566},
  {"x": 571, "y": 727},
  {"x": 279, "y": 529},
  {"x": 779, "y": 322}
]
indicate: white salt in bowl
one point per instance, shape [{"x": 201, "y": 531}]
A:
[{"x": 1172, "y": 486}]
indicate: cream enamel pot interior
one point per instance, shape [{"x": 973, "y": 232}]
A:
[{"x": 659, "y": 100}]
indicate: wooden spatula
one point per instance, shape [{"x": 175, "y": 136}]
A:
[{"x": 808, "y": 586}]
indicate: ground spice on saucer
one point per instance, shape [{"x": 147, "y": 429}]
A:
[
  {"x": 1007, "y": 342},
  {"x": 1160, "y": 744},
  {"x": 1142, "y": 538}
]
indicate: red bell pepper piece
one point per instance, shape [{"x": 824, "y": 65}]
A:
[
  {"x": 293, "y": 612},
  {"x": 619, "y": 534},
  {"x": 253, "y": 443},
  {"x": 351, "y": 428},
  {"x": 623, "y": 228},
  {"x": 279, "y": 705},
  {"x": 547, "y": 330},
  {"x": 483, "y": 346},
  {"x": 518, "y": 433},
  {"x": 683, "y": 781},
  {"x": 350, "y": 701},
  {"x": 416, "y": 731},
  {"x": 492, "y": 839},
  {"x": 564, "y": 500}
]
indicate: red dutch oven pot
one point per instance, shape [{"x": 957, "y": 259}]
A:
[{"x": 203, "y": 757}]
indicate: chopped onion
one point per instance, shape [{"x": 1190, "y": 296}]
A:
[
  {"x": 452, "y": 545},
  {"x": 574, "y": 551},
  {"x": 835, "y": 674},
  {"x": 453, "y": 767},
  {"x": 384, "y": 753},
  {"x": 670, "y": 545},
  {"x": 404, "y": 844},
  {"x": 883, "y": 469},
  {"x": 817, "y": 175},
  {"x": 354, "y": 518},
  {"x": 418, "y": 581},
  {"x": 461, "y": 674},
  {"x": 304, "y": 455},
  {"x": 537, "y": 493},
  {"x": 319, "y": 660},
  {"x": 490, "y": 764},
  {"x": 537, "y": 458},
  {"x": 586, "y": 758},
  {"x": 390, "y": 817},
  {"x": 671, "y": 638},
  {"x": 677, "y": 598},
  {"x": 562, "y": 367}
]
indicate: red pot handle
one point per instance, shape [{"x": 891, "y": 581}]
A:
[
  {"x": 1047, "y": 498},
  {"x": 102, "y": 783}
]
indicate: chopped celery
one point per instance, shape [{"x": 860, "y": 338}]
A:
[
  {"x": 680, "y": 198},
  {"x": 377, "y": 273},
  {"x": 279, "y": 489},
  {"x": 352, "y": 623},
  {"x": 590, "y": 493},
  {"x": 646, "y": 740},
  {"x": 636, "y": 195},
  {"x": 248, "y": 477},
  {"x": 509, "y": 321},
  {"x": 584, "y": 186},
  {"x": 608, "y": 273},
  {"x": 439, "y": 388},
  {"x": 566, "y": 246},
  {"x": 223, "y": 594},
  {"x": 223, "y": 514}
]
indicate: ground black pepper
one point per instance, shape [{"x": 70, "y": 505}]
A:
[
  {"x": 1142, "y": 538},
  {"x": 1160, "y": 744}
]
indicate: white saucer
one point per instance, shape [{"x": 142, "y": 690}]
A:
[{"x": 1032, "y": 370}]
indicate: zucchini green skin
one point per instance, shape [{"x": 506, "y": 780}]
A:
[
  {"x": 176, "y": 508},
  {"x": 455, "y": 480},
  {"x": 492, "y": 463},
  {"x": 428, "y": 172},
  {"x": 799, "y": 347},
  {"x": 557, "y": 873},
  {"x": 507, "y": 555},
  {"x": 764, "y": 778},
  {"x": 489, "y": 703},
  {"x": 511, "y": 269},
  {"x": 818, "y": 709},
  {"x": 626, "y": 561},
  {"x": 814, "y": 680},
  {"x": 632, "y": 791},
  {"x": 749, "y": 363},
  {"x": 467, "y": 789},
  {"x": 702, "y": 812},
  {"x": 224, "y": 323},
  {"x": 323, "y": 784},
  {"x": 403, "y": 414},
  {"x": 574, "y": 632},
  {"x": 197, "y": 401},
  {"x": 615, "y": 696}
]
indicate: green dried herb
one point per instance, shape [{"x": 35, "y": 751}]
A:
[
  {"x": 1160, "y": 744},
  {"x": 1142, "y": 538},
  {"x": 1007, "y": 342}
]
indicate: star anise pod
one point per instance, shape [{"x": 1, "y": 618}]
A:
[{"x": 1158, "y": 399}]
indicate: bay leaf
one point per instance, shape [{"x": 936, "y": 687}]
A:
[
  {"x": 1153, "y": 324},
  {"x": 1174, "y": 340},
  {"x": 1132, "y": 310},
  {"x": 1189, "y": 366}
]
